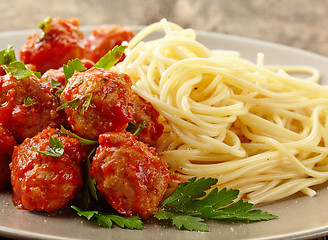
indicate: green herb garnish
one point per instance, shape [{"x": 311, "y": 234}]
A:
[
  {"x": 189, "y": 206},
  {"x": 45, "y": 26},
  {"x": 71, "y": 67},
  {"x": 55, "y": 149},
  {"x": 73, "y": 104},
  {"x": 106, "y": 220},
  {"x": 85, "y": 104},
  {"x": 10, "y": 64},
  {"x": 54, "y": 83},
  {"x": 29, "y": 102},
  {"x": 111, "y": 57},
  {"x": 135, "y": 128},
  {"x": 7, "y": 55},
  {"x": 83, "y": 140}
]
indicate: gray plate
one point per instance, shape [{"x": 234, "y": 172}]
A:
[{"x": 300, "y": 217}]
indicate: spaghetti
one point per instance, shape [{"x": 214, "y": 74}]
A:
[{"x": 256, "y": 128}]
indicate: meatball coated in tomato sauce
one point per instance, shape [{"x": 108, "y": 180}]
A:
[
  {"x": 58, "y": 76},
  {"x": 129, "y": 175},
  {"x": 105, "y": 38},
  {"x": 27, "y": 106},
  {"x": 145, "y": 112},
  {"x": 46, "y": 183},
  {"x": 7, "y": 144},
  {"x": 98, "y": 101},
  {"x": 58, "y": 41}
]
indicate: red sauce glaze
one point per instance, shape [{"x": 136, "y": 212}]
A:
[
  {"x": 144, "y": 111},
  {"x": 130, "y": 176},
  {"x": 46, "y": 183},
  {"x": 2, "y": 71},
  {"x": 52, "y": 47},
  {"x": 109, "y": 109},
  {"x": 26, "y": 106},
  {"x": 105, "y": 38},
  {"x": 7, "y": 144}
]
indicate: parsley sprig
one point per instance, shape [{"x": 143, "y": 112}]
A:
[
  {"x": 55, "y": 148},
  {"x": 10, "y": 64},
  {"x": 106, "y": 220},
  {"x": 189, "y": 206},
  {"x": 136, "y": 128}
]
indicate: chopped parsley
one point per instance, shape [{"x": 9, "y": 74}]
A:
[
  {"x": 54, "y": 83},
  {"x": 10, "y": 64},
  {"x": 29, "y": 102},
  {"x": 83, "y": 140},
  {"x": 135, "y": 128},
  {"x": 75, "y": 103},
  {"x": 45, "y": 26},
  {"x": 106, "y": 220},
  {"x": 111, "y": 57},
  {"x": 71, "y": 67},
  {"x": 55, "y": 149},
  {"x": 188, "y": 208}
]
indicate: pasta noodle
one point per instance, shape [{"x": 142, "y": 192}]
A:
[{"x": 257, "y": 128}]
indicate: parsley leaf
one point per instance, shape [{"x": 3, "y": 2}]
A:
[
  {"x": 54, "y": 83},
  {"x": 55, "y": 149},
  {"x": 10, "y": 64},
  {"x": 29, "y": 102},
  {"x": 83, "y": 140},
  {"x": 7, "y": 55},
  {"x": 135, "y": 128},
  {"x": 45, "y": 26},
  {"x": 111, "y": 57},
  {"x": 89, "y": 187},
  {"x": 71, "y": 67},
  {"x": 73, "y": 104},
  {"x": 189, "y": 205},
  {"x": 106, "y": 220},
  {"x": 85, "y": 104}
]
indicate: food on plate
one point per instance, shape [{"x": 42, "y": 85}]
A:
[
  {"x": 172, "y": 107},
  {"x": 144, "y": 112},
  {"x": 7, "y": 144},
  {"x": 257, "y": 128},
  {"x": 105, "y": 38},
  {"x": 97, "y": 101},
  {"x": 130, "y": 175},
  {"x": 55, "y": 78},
  {"x": 27, "y": 106},
  {"x": 58, "y": 41},
  {"x": 46, "y": 171}
]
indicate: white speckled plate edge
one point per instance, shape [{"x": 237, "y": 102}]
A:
[{"x": 300, "y": 217}]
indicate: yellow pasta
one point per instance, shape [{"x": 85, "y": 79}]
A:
[{"x": 256, "y": 128}]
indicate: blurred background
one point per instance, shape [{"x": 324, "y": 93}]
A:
[{"x": 297, "y": 23}]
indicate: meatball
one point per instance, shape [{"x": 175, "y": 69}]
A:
[
  {"x": 46, "y": 183},
  {"x": 59, "y": 76},
  {"x": 130, "y": 176},
  {"x": 145, "y": 112},
  {"x": 97, "y": 101},
  {"x": 26, "y": 106},
  {"x": 58, "y": 41},
  {"x": 7, "y": 144},
  {"x": 105, "y": 38}
]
